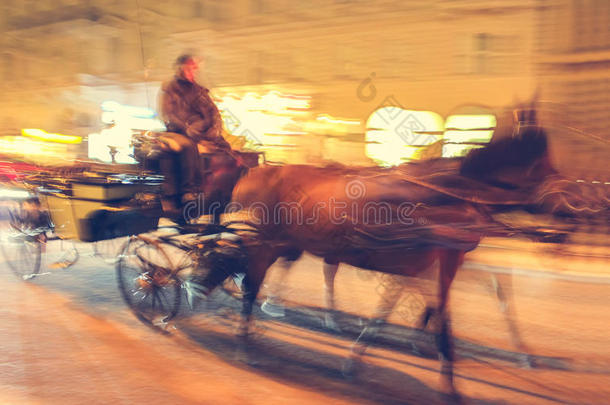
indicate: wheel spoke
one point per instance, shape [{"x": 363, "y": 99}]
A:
[
  {"x": 163, "y": 297},
  {"x": 146, "y": 281}
]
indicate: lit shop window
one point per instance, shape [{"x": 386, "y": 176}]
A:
[
  {"x": 395, "y": 135},
  {"x": 261, "y": 119},
  {"x": 122, "y": 121},
  {"x": 464, "y": 132}
]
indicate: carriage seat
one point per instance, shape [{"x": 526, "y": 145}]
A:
[
  {"x": 167, "y": 143},
  {"x": 210, "y": 153}
]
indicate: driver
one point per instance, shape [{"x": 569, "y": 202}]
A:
[{"x": 191, "y": 117}]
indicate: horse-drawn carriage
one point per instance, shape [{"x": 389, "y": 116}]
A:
[
  {"x": 93, "y": 202},
  {"x": 438, "y": 211}
]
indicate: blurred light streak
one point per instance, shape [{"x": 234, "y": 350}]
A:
[
  {"x": 7, "y": 193},
  {"x": 119, "y": 137},
  {"x": 50, "y": 137},
  {"x": 259, "y": 117},
  {"x": 468, "y": 121},
  {"x": 29, "y": 148},
  {"x": 457, "y": 150},
  {"x": 133, "y": 122},
  {"x": 464, "y": 132},
  {"x": 332, "y": 120},
  {"x": 395, "y": 135},
  {"x": 132, "y": 111},
  {"x": 468, "y": 136}
]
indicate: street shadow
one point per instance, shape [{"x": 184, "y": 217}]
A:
[
  {"x": 391, "y": 336},
  {"x": 285, "y": 362}
]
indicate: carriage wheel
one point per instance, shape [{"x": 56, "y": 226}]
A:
[
  {"x": 21, "y": 246},
  {"x": 148, "y": 282}
]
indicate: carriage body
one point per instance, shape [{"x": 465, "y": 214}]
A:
[
  {"x": 94, "y": 209},
  {"x": 93, "y": 202}
]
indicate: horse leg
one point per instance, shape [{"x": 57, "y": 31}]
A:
[
  {"x": 450, "y": 261},
  {"x": 389, "y": 298},
  {"x": 272, "y": 305},
  {"x": 506, "y": 303},
  {"x": 330, "y": 271},
  {"x": 422, "y": 324},
  {"x": 424, "y": 320},
  {"x": 252, "y": 283},
  {"x": 251, "y": 286},
  {"x": 426, "y": 316}
]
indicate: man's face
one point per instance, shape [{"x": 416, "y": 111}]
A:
[{"x": 189, "y": 70}]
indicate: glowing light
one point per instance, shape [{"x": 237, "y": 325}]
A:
[
  {"x": 395, "y": 135},
  {"x": 331, "y": 120},
  {"x": 110, "y": 106},
  {"x": 47, "y": 137},
  {"x": 467, "y": 131},
  {"x": 468, "y": 121},
  {"x": 29, "y": 147},
  {"x": 458, "y": 150},
  {"x": 258, "y": 117},
  {"x": 13, "y": 193},
  {"x": 286, "y": 133},
  {"x": 144, "y": 124},
  {"x": 132, "y": 111},
  {"x": 118, "y": 137},
  {"x": 472, "y": 136}
]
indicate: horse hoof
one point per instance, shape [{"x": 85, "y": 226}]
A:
[
  {"x": 273, "y": 310},
  {"x": 454, "y": 398},
  {"x": 448, "y": 390}
]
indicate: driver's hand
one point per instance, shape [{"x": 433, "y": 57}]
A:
[{"x": 171, "y": 144}]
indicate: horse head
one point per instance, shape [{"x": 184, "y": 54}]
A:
[
  {"x": 511, "y": 162},
  {"x": 521, "y": 161}
]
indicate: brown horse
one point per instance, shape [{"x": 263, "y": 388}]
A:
[{"x": 395, "y": 221}]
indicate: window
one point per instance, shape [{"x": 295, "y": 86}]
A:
[
  {"x": 464, "y": 132},
  {"x": 198, "y": 8},
  {"x": 257, "y": 6},
  {"x": 590, "y": 24},
  {"x": 486, "y": 54}
]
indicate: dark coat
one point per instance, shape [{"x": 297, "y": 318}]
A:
[{"x": 187, "y": 108}]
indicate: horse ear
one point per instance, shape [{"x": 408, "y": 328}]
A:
[
  {"x": 534, "y": 106},
  {"x": 517, "y": 107}
]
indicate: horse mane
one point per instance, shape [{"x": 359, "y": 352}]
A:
[{"x": 518, "y": 151}]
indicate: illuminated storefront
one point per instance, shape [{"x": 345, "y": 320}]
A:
[
  {"x": 395, "y": 135},
  {"x": 467, "y": 130},
  {"x": 38, "y": 145},
  {"x": 122, "y": 121}
]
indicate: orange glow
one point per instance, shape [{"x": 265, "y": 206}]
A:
[{"x": 48, "y": 137}]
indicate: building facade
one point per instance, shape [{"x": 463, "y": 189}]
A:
[{"x": 61, "y": 58}]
